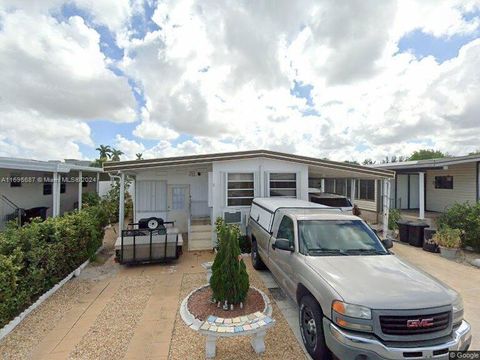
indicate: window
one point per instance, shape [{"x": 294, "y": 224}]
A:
[
  {"x": 283, "y": 184},
  {"x": 240, "y": 189},
  {"x": 178, "y": 198},
  {"x": 63, "y": 186},
  {"x": 329, "y": 186},
  {"x": 340, "y": 186},
  {"x": 84, "y": 183},
  {"x": 47, "y": 188},
  {"x": 337, "y": 237},
  {"x": 443, "y": 182},
  {"x": 15, "y": 180},
  {"x": 285, "y": 230},
  {"x": 366, "y": 190}
]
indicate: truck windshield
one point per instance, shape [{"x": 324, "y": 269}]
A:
[{"x": 338, "y": 237}]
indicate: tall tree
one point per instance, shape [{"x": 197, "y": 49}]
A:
[
  {"x": 427, "y": 154},
  {"x": 115, "y": 154},
  {"x": 139, "y": 156},
  {"x": 105, "y": 151},
  {"x": 368, "y": 162}
]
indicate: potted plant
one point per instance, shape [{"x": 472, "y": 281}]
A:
[{"x": 449, "y": 241}]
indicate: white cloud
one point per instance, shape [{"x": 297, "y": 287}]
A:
[{"x": 223, "y": 75}]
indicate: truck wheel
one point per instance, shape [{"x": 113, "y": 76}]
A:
[
  {"x": 256, "y": 260},
  {"x": 311, "y": 328}
]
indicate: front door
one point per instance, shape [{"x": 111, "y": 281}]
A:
[{"x": 178, "y": 206}]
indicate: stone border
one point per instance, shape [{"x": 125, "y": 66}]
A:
[
  {"x": 8, "y": 328},
  {"x": 195, "y": 324},
  {"x": 255, "y": 324}
]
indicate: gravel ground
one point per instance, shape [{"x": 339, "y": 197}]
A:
[
  {"x": 21, "y": 342},
  {"x": 280, "y": 341},
  {"x": 109, "y": 336}
]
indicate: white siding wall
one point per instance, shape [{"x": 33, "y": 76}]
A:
[
  {"x": 179, "y": 176},
  {"x": 260, "y": 167},
  {"x": 30, "y": 195},
  {"x": 464, "y": 187}
]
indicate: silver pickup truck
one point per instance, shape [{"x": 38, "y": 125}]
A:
[{"x": 356, "y": 299}]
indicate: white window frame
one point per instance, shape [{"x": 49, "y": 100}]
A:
[
  {"x": 245, "y": 197},
  {"x": 283, "y": 172}
]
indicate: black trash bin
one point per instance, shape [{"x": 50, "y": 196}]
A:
[
  {"x": 403, "y": 229},
  {"x": 29, "y": 214},
  {"x": 416, "y": 233}
]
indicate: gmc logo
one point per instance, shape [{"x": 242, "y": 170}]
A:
[{"x": 419, "y": 323}]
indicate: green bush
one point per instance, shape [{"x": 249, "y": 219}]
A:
[
  {"x": 448, "y": 237},
  {"x": 465, "y": 217},
  {"x": 90, "y": 199},
  {"x": 393, "y": 218},
  {"x": 229, "y": 281},
  {"x": 37, "y": 256}
]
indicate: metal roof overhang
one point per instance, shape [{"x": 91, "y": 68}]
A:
[
  {"x": 325, "y": 168},
  {"x": 47, "y": 166}
]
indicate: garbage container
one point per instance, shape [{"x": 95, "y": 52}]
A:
[
  {"x": 403, "y": 227},
  {"x": 416, "y": 233}
]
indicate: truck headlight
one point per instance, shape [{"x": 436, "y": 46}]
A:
[
  {"x": 349, "y": 316},
  {"x": 355, "y": 311},
  {"x": 457, "y": 310}
]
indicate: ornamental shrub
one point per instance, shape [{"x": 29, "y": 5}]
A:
[
  {"x": 35, "y": 257},
  {"x": 229, "y": 281},
  {"x": 466, "y": 217},
  {"x": 393, "y": 217}
]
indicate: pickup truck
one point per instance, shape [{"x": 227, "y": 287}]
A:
[{"x": 356, "y": 299}]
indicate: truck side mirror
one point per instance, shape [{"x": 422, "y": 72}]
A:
[
  {"x": 282, "y": 244},
  {"x": 387, "y": 243}
]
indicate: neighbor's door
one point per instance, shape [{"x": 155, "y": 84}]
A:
[{"x": 179, "y": 206}]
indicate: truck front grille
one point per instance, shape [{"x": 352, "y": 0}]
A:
[{"x": 415, "y": 324}]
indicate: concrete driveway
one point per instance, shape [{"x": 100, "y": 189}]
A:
[{"x": 463, "y": 278}]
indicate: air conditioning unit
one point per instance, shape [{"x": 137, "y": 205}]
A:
[{"x": 233, "y": 217}]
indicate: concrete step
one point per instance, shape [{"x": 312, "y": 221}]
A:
[
  {"x": 200, "y": 235},
  {"x": 200, "y": 245},
  {"x": 200, "y": 228}
]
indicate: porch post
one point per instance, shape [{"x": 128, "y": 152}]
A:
[
  {"x": 421, "y": 195},
  {"x": 386, "y": 205},
  {"x": 353, "y": 191},
  {"x": 121, "y": 203},
  {"x": 97, "y": 185},
  {"x": 56, "y": 195},
  {"x": 80, "y": 190},
  {"x": 322, "y": 184}
]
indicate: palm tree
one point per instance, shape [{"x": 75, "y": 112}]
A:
[
  {"x": 115, "y": 154},
  {"x": 139, "y": 156},
  {"x": 105, "y": 151}
]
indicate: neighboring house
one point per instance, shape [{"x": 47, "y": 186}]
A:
[
  {"x": 194, "y": 190},
  {"x": 434, "y": 185},
  {"x": 47, "y": 187}
]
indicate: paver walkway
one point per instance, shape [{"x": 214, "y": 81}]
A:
[
  {"x": 142, "y": 300},
  {"x": 463, "y": 278}
]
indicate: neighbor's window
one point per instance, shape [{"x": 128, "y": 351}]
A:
[
  {"x": 366, "y": 190},
  {"x": 47, "y": 188},
  {"x": 329, "y": 186},
  {"x": 283, "y": 184},
  {"x": 240, "y": 189},
  {"x": 443, "y": 182},
  {"x": 340, "y": 186},
  {"x": 63, "y": 186},
  {"x": 15, "y": 180}
]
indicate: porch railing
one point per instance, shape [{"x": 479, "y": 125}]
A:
[{"x": 9, "y": 211}]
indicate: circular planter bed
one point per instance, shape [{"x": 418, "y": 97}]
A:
[
  {"x": 197, "y": 306},
  {"x": 200, "y": 306}
]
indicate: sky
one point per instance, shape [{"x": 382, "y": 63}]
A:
[{"x": 341, "y": 80}]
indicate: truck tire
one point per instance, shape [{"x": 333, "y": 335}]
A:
[
  {"x": 256, "y": 260},
  {"x": 311, "y": 328}
]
